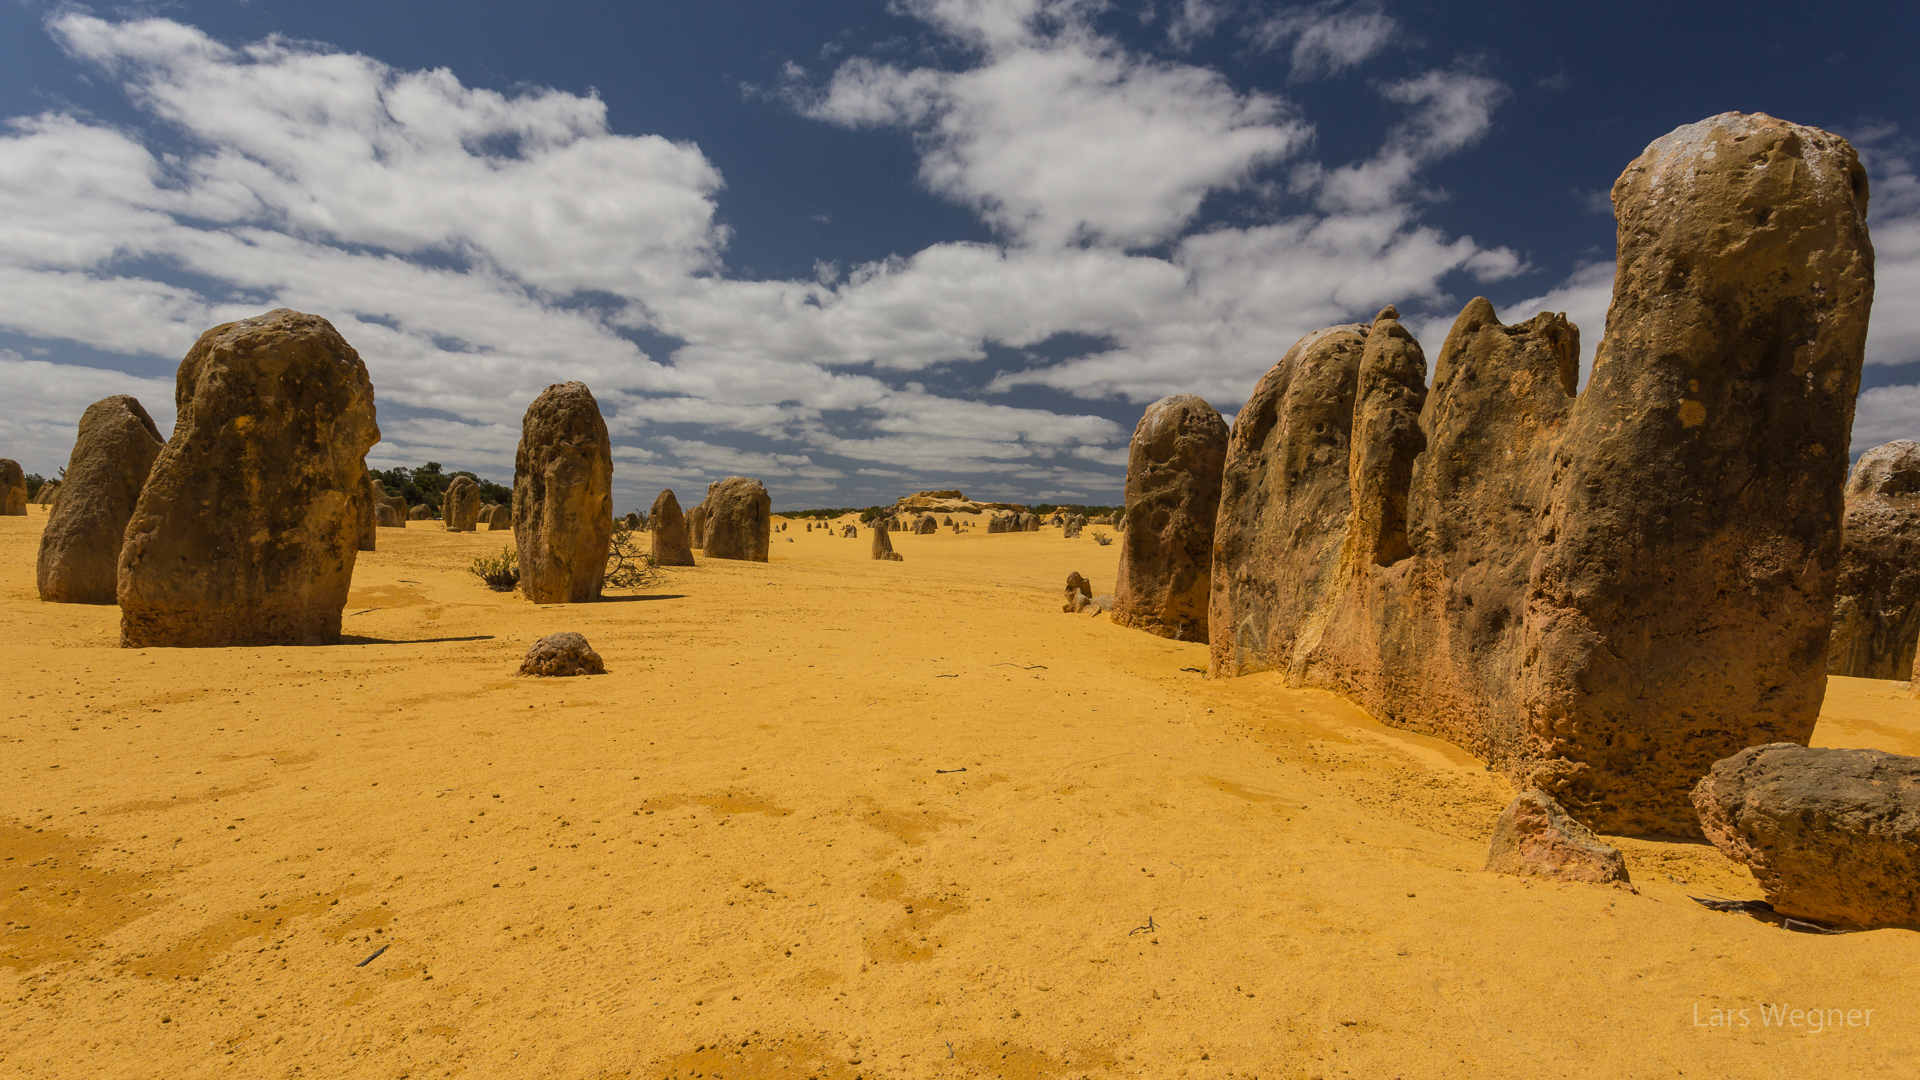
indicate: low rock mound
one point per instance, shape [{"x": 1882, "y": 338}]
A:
[
  {"x": 562, "y": 654},
  {"x": 1831, "y": 835},
  {"x": 1534, "y": 837},
  {"x": 948, "y": 501}
]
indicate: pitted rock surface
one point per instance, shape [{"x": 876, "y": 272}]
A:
[
  {"x": 562, "y": 654},
  {"x": 563, "y": 497},
  {"x": 1831, "y": 835},
  {"x": 248, "y": 526},
  {"x": 1174, "y": 465},
  {"x": 1876, "y": 608},
  {"x": 1599, "y": 594}
]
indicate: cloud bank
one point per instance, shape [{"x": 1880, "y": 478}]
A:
[{"x": 476, "y": 246}]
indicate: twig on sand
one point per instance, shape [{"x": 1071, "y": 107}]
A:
[
  {"x": 363, "y": 611},
  {"x": 1721, "y": 903},
  {"x": 962, "y": 768},
  {"x": 1806, "y": 927},
  {"x": 1023, "y": 667},
  {"x": 946, "y": 676},
  {"x": 1760, "y": 909},
  {"x": 375, "y": 956},
  {"x": 1147, "y": 929}
]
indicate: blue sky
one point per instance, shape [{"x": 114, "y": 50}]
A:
[{"x": 861, "y": 248}]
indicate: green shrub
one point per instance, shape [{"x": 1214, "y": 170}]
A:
[{"x": 501, "y": 572}]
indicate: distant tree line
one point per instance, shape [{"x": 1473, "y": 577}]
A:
[{"x": 428, "y": 484}]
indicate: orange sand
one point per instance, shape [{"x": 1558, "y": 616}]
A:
[{"x": 735, "y": 856}]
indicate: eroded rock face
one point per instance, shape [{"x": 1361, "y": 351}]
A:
[
  {"x": 739, "y": 520},
  {"x": 384, "y": 517},
  {"x": 697, "y": 524},
  {"x": 420, "y": 512},
  {"x": 13, "y": 489},
  {"x": 48, "y": 494},
  {"x": 80, "y": 548},
  {"x": 1534, "y": 837},
  {"x": 1601, "y": 594},
  {"x": 1174, "y": 464},
  {"x": 248, "y": 525},
  {"x": 924, "y": 525},
  {"x": 1735, "y": 340},
  {"x": 563, "y": 497},
  {"x": 1876, "y": 609},
  {"x": 1831, "y": 835},
  {"x": 375, "y": 496},
  {"x": 460, "y": 508},
  {"x": 562, "y": 654},
  {"x": 671, "y": 544},
  {"x": 1284, "y": 505},
  {"x": 501, "y": 519},
  {"x": 883, "y": 546}
]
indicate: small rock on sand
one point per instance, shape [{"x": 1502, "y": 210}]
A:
[
  {"x": 1534, "y": 837},
  {"x": 565, "y": 653},
  {"x": 1079, "y": 593}
]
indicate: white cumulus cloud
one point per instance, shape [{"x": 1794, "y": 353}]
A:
[{"x": 476, "y": 246}]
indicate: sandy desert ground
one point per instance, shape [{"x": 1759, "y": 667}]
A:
[{"x": 826, "y": 817}]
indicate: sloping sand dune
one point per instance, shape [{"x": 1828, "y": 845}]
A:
[{"x": 825, "y": 817}]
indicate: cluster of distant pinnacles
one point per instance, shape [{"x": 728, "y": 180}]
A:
[{"x": 1627, "y": 598}]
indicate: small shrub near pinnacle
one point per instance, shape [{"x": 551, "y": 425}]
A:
[
  {"x": 501, "y": 572},
  {"x": 629, "y": 559}
]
